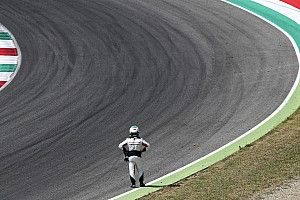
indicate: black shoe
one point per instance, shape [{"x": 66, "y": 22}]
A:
[
  {"x": 141, "y": 180},
  {"x": 142, "y": 185},
  {"x": 132, "y": 182}
]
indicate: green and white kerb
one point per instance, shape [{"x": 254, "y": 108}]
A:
[{"x": 10, "y": 57}]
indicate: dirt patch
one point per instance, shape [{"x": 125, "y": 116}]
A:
[{"x": 288, "y": 191}]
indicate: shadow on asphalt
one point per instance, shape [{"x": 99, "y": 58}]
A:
[{"x": 159, "y": 186}]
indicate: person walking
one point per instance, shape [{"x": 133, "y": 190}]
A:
[{"x": 133, "y": 148}]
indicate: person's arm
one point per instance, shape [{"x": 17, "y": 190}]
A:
[
  {"x": 122, "y": 144},
  {"x": 145, "y": 145},
  {"x": 125, "y": 151}
]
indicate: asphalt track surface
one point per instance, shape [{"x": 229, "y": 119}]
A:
[{"x": 192, "y": 74}]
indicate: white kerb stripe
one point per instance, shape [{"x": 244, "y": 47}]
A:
[
  {"x": 8, "y": 59},
  {"x": 7, "y": 44},
  {"x": 282, "y": 8},
  {"x": 3, "y": 29},
  {"x": 290, "y": 7},
  {"x": 6, "y": 76}
]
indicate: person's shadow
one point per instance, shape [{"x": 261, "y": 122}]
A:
[{"x": 161, "y": 186}]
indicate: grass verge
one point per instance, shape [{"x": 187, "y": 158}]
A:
[{"x": 267, "y": 163}]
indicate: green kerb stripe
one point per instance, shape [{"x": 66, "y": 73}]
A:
[
  {"x": 8, "y": 67},
  {"x": 5, "y": 36}
]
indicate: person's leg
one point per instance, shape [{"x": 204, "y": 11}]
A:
[
  {"x": 131, "y": 165},
  {"x": 140, "y": 169}
]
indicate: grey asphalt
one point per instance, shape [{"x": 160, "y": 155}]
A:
[{"x": 193, "y": 75}]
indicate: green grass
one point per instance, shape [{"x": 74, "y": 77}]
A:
[{"x": 267, "y": 163}]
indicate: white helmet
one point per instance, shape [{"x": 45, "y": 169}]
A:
[{"x": 134, "y": 131}]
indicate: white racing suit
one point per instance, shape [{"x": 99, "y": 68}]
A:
[{"x": 133, "y": 148}]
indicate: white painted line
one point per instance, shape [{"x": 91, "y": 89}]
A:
[
  {"x": 6, "y": 76},
  {"x": 296, "y": 83},
  {"x": 2, "y": 28},
  {"x": 285, "y": 4},
  {"x": 8, "y": 59},
  {"x": 281, "y": 7},
  {"x": 7, "y": 44}
]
